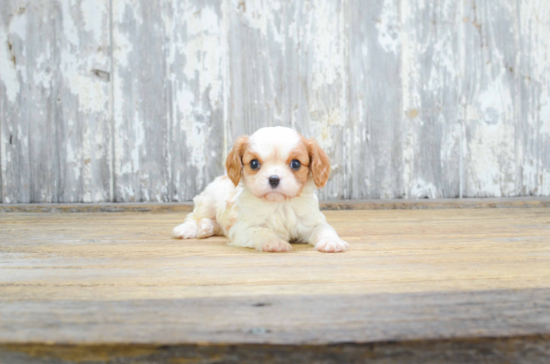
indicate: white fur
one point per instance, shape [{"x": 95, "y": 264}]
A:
[{"x": 253, "y": 214}]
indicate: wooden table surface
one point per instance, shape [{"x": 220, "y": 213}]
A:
[{"x": 470, "y": 277}]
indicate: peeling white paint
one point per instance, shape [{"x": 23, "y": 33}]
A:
[
  {"x": 87, "y": 198},
  {"x": 423, "y": 189},
  {"x": 325, "y": 46},
  {"x": 122, "y": 46},
  {"x": 495, "y": 101},
  {"x": 8, "y": 73},
  {"x": 301, "y": 78},
  {"x": 72, "y": 160},
  {"x": 138, "y": 141},
  {"x": 90, "y": 91},
  {"x": 450, "y": 145},
  {"x": 42, "y": 76},
  {"x": 255, "y": 12},
  {"x": 94, "y": 20},
  {"x": 410, "y": 98},
  {"x": 544, "y": 183},
  {"x": 197, "y": 87},
  {"x": 8, "y": 69},
  {"x": 388, "y": 26},
  {"x": 325, "y": 39},
  {"x": 122, "y": 49},
  {"x": 70, "y": 30},
  {"x": 491, "y": 171},
  {"x": 5, "y": 159},
  {"x": 203, "y": 58}
]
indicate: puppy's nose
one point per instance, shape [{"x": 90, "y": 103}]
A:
[{"x": 274, "y": 181}]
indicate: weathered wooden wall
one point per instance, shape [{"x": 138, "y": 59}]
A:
[{"x": 139, "y": 100}]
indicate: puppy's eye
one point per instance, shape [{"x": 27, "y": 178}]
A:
[
  {"x": 295, "y": 164},
  {"x": 254, "y": 164}
]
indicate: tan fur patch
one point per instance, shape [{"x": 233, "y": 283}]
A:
[
  {"x": 229, "y": 216},
  {"x": 319, "y": 162},
  {"x": 233, "y": 163},
  {"x": 301, "y": 154},
  {"x": 247, "y": 158}
]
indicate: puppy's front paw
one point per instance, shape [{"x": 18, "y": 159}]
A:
[
  {"x": 207, "y": 228},
  {"x": 187, "y": 230},
  {"x": 275, "y": 245},
  {"x": 331, "y": 245}
]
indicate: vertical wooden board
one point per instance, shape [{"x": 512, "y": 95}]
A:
[
  {"x": 83, "y": 122},
  {"x": 54, "y": 112},
  {"x": 28, "y": 98},
  {"x": 196, "y": 45},
  {"x": 258, "y": 47},
  {"x": 492, "y": 103},
  {"x": 140, "y": 102},
  {"x": 40, "y": 109},
  {"x": 430, "y": 109},
  {"x": 1, "y": 149},
  {"x": 374, "y": 124},
  {"x": 7, "y": 74},
  {"x": 288, "y": 66},
  {"x": 534, "y": 82}
]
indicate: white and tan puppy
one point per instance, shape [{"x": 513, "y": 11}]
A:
[{"x": 267, "y": 199}]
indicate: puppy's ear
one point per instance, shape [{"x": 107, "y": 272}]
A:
[
  {"x": 234, "y": 163},
  {"x": 319, "y": 163}
]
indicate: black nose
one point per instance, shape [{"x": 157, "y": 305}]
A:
[{"x": 274, "y": 181}]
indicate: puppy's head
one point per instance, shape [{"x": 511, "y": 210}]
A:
[{"x": 276, "y": 163}]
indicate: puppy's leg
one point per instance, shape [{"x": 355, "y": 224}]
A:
[
  {"x": 325, "y": 239},
  {"x": 208, "y": 228},
  {"x": 205, "y": 209},
  {"x": 206, "y": 205},
  {"x": 187, "y": 230},
  {"x": 261, "y": 239}
]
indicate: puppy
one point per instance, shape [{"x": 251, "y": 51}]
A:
[{"x": 267, "y": 199}]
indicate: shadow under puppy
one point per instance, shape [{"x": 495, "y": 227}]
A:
[{"x": 267, "y": 199}]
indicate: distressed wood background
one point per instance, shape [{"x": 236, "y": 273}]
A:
[{"x": 140, "y": 100}]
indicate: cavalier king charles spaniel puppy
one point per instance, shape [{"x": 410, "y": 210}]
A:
[{"x": 267, "y": 199}]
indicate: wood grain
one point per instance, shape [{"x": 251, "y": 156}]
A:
[
  {"x": 195, "y": 45},
  {"x": 416, "y": 285},
  {"x": 534, "y": 350},
  {"x": 83, "y": 120},
  {"x": 506, "y": 143},
  {"x": 140, "y": 102},
  {"x": 288, "y": 67},
  {"x": 279, "y": 320},
  {"x": 467, "y": 203},
  {"x": 409, "y": 275},
  {"x": 125, "y": 101},
  {"x": 492, "y": 109},
  {"x": 22, "y": 151},
  {"x": 430, "y": 132},
  {"x": 533, "y": 80},
  {"x": 375, "y": 95},
  {"x": 54, "y": 106}
]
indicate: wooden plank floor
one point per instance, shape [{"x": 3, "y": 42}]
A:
[{"x": 416, "y": 283}]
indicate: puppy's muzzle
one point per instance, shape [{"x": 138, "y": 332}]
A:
[{"x": 274, "y": 181}]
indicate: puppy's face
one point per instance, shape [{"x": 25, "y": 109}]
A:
[{"x": 275, "y": 163}]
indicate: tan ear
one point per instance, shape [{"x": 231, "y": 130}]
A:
[
  {"x": 319, "y": 163},
  {"x": 234, "y": 163}
]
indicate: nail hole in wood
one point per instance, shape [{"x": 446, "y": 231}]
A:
[
  {"x": 261, "y": 304},
  {"x": 105, "y": 76}
]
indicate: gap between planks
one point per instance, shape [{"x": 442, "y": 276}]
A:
[{"x": 451, "y": 203}]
